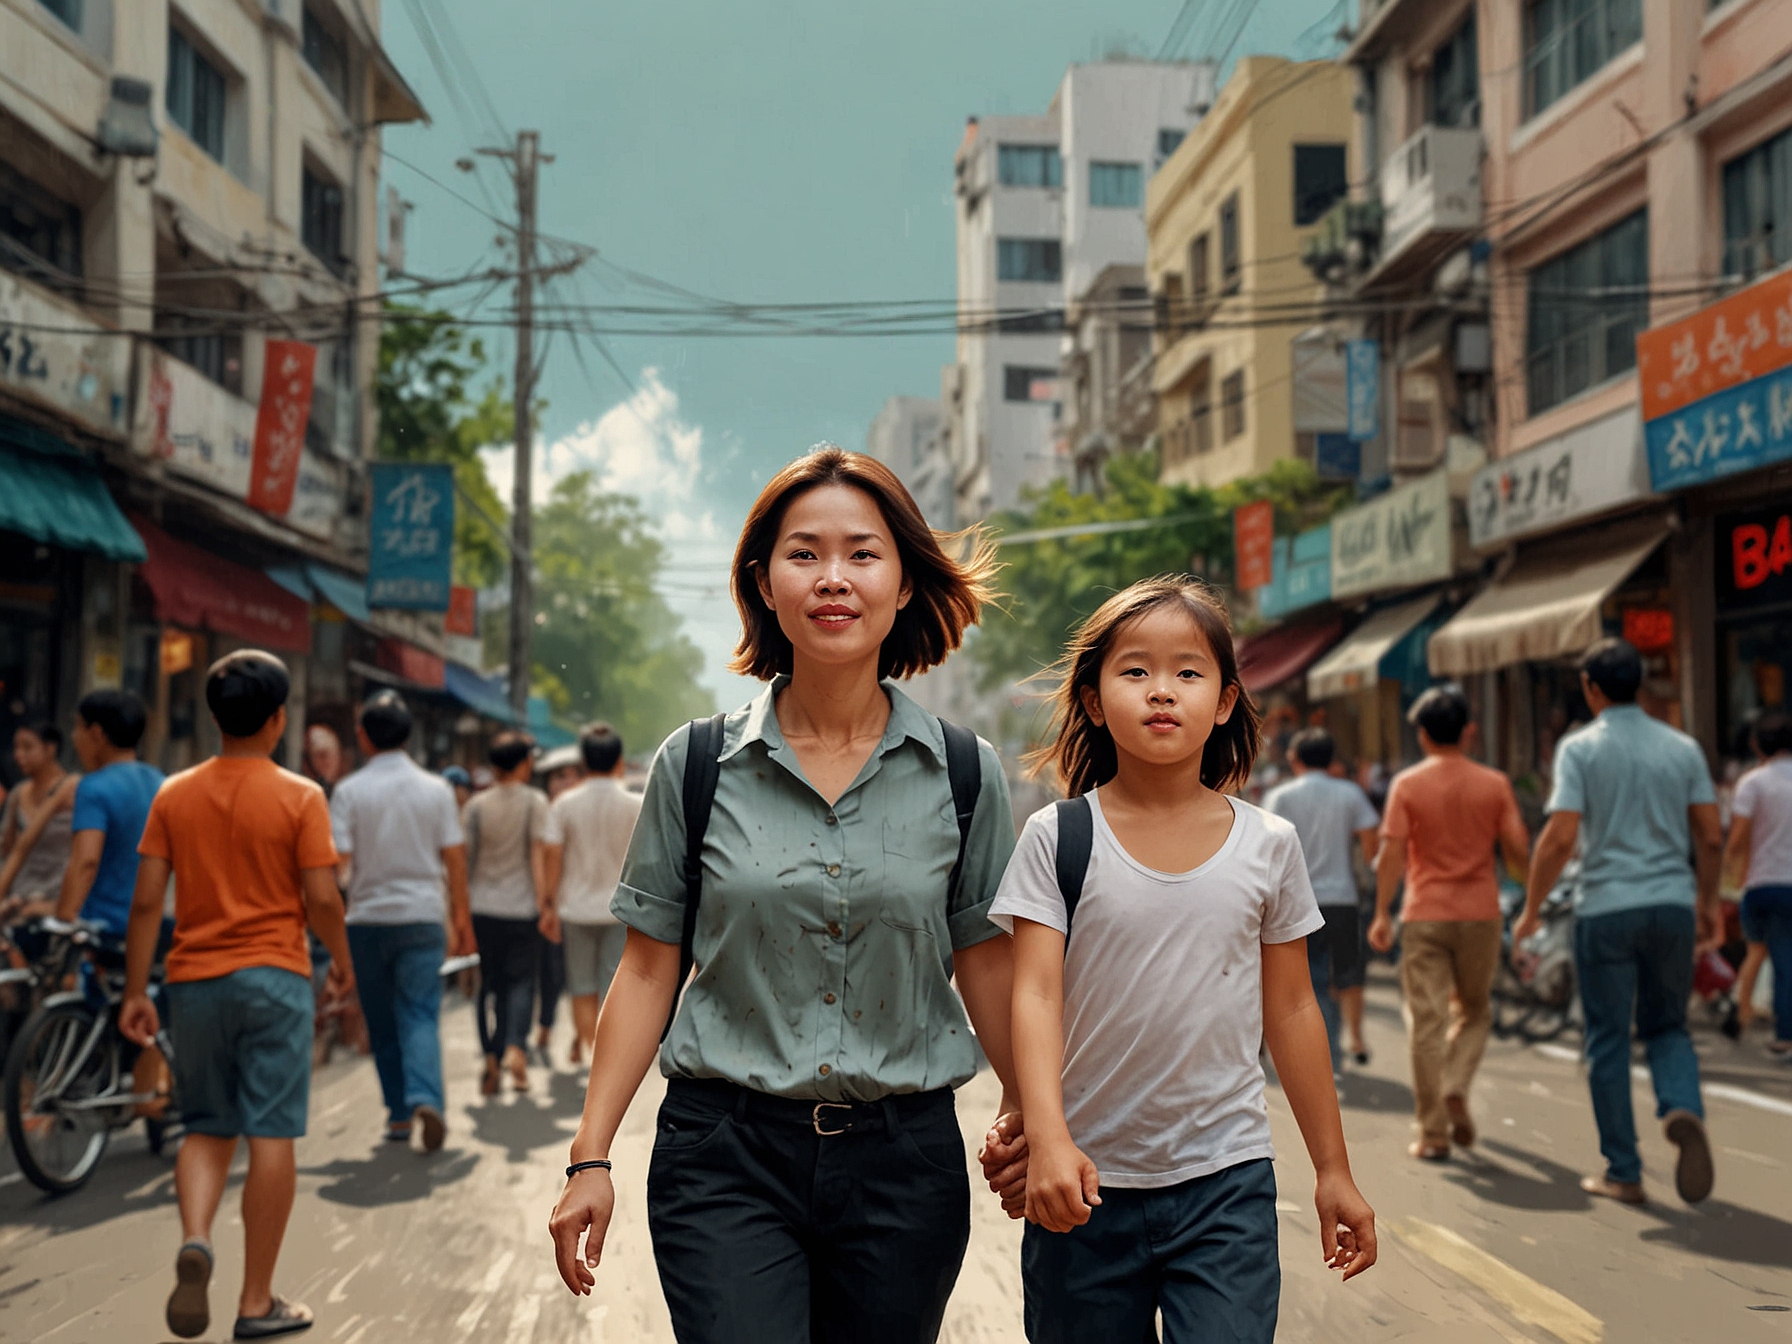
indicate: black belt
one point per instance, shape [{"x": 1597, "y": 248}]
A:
[{"x": 827, "y": 1118}]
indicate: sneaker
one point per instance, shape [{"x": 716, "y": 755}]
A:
[
  {"x": 189, "y": 1305},
  {"x": 1694, "y": 1173},
  {"x": 435, "y": 1129},
  {"x": 281, "y": 1318}
]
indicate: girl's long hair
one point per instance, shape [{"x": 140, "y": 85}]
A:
[{"x": 1083, "y": 752}]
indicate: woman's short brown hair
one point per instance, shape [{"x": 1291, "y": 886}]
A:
[
  {"x": 1083, "y": 751},
  {"x": 946, "y": 594}
]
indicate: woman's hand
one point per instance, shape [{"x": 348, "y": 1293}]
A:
[
  {"x": 1346, "y": 1224},
  {"x": 1004, "y": 1159},
  {"x": 1062, "y": 1186},
  {"x": 584, "y": 1209}
]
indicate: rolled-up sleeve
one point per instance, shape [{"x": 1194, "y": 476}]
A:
[
  {"x": 986, "y": 853},
  {"x": 650, "y": 897},
  {"x": 1567, "y": 790}
]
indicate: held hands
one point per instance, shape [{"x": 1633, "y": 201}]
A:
[
  {"x": 340, "y": 982},
  {"x": 1346, "y": 1225},
  {"x": 1710, "y": 929},
  {"x": 137, "y": 1020},
  {"x": 1381, "y": 933},
  {"x": 549, "y": 924},
  {"x": 461, "y": 942},
  {"x": 1062, "y": 1186},
  {"x": 1528, "y": 923},
  {"x": 1004, "y": 1159},
  {"x": 585, "y": 1207}
]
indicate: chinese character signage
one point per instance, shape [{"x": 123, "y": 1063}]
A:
[
  {"x": 1253, "y": 536},
  {"x": 1717, "y": 387},
  {"x": 1754, "y": 559},
  {"x": 1303, "y": 573},
  {"x": 1362, "y": 378},
  {"x": 1337, "y": 457},
  {"x": 52, "y": 354},
  {"x": 411, "y": 546},
  {"x": 280, "y": 425},
  {"x": 1592, "y": 469},
  {"x": 1400, "y": 540}
]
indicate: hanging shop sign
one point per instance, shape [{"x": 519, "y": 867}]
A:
[
  {"x": 1253, "y": 537},
  {"x": 1362, "y": 373},
  {"x": 1397, "y": 540},
  {"x": 1590, "y": 470},
  {"x": 280, "y": 425},
  {"x": 1303, "y": 573},
  {"x": 1717, "y": 387},
  {"x": 411, "y": 536},
  {"x": 51, "y": 353},
  {"x": 1754, "y": 559}
]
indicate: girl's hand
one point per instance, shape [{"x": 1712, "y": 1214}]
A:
[
  {"x": 1004, "y": 1159},
  {"x": 585, "y": 1207},
  {"x": 1346, "y": 1225},
  {"x": 1062, "y": 1186}
]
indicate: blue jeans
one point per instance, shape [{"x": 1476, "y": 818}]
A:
[
  {"x": 398, "y": 975},
  {"x": 1636, "y": 961},
  {"x": 1319, "y": 966},
  {"x": 1203, "y": 1252},
  {"x": 1769, "y": 911}
]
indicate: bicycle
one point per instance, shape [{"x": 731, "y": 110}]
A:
[
  {"x": 68, "y": 1081},
  {"x": 33, "y": 963},
  {"x": 1534, "y": 989}
]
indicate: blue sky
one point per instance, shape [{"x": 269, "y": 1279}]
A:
[{"x": 777, "y": 153}]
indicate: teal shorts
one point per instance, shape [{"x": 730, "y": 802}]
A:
[{"x": 242, "y": 1053}]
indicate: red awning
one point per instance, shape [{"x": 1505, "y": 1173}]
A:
[
  {"x": 1267, "y": 660},
  {"x": 193, "y": 587},
  {"x": 411, "y": 663}
]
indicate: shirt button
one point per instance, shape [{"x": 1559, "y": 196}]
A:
[
  {"x": 833, "y": 820},
  {"x": 826, "y": 1070},
  {"x": 833, "y": 870},
  {"x": 827, "y": 998}
]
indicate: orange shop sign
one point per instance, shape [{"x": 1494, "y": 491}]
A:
[
  {"x": 1254, "y": 539},
  {"x": 1725, "y": 344}
]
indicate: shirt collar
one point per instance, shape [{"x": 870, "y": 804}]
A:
[
  {"x": 758, "y": 722},
  {"x": 1628, "y": 711}
]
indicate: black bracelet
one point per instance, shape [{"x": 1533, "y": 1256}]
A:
[{"x": 597, "y": 1164}]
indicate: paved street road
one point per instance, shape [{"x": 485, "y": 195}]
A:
[{"x": 389, "y": 1245}]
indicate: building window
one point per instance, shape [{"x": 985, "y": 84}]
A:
[
  {"x": 1319, "y": 181},
  {"x": 216, "y": 355},
  {"x": 1232, "y": 405},
  {"x": 1230, "y": 264},
  {"x": 69, "y": 11},
  {"x": 321, "y": 220},
  {"x": 1029, "y": 166},
  {"x": 1456, "y": 79},
  {"x": 1116, "y": 186},
  {"x": 1038, "y": 260},
  {"x": 1169, "y": 140},
  {"x": 1199, "y": 285},
  {"x": 195, "y": 95},
  {"x": 325, "y": 53},
  {"x": 1758, "y": 208},
  {"x": 40, "y": 235},
  {"x": 1567, "y": 41},
  {"x": 1586, "y": 307},
  {"x": 1020, "y": 383}
]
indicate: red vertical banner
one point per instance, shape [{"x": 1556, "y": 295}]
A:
[
  {"x": 1253, "y": 540},
  {"x": 280, "y": 424},
  {"x": 463, "y": 611}
]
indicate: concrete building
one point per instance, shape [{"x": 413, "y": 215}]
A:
[
  {"x": 1045, "y": 205},
  {"x": 909, "y": 437},
  {"x": 178, "y": 185},
  {"x": 1108, "y": 409},
  {"x": 1227, "y": 215}
]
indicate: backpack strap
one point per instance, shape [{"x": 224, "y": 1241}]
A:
[
  {"x": 1076, "y": 838},
  {"x": 702, "y": 768},
  {"x": 964, "y": 771}
]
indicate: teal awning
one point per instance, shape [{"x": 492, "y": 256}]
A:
[
  {"x": 542, "y": 727},
  {"x": 51, "y": 493}
]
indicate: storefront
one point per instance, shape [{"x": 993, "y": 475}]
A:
[
  {"x": 1369, "y": 679},
  {"x": 1753, "y": 618}
]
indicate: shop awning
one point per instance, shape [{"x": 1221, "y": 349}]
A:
[
  {"x": 542, "y": 727},
  {"x": 1546, "y": 607},
  {"x": 194, "y": 588},
  {"x": 1283, "y": 653},
  {"x": 1356, "y": 662},
  {"x": 51, "y": 493},
  {"x": 345, "y": 592},
  {"x": 482, "y": 695}
]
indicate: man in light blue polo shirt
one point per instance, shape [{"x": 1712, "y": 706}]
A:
[{"x": 1637, "y": 796}]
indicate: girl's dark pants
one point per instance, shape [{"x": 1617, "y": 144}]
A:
[
  {"x": 1204, "y": 1253},
  {"x": 778, "y": 1221}
]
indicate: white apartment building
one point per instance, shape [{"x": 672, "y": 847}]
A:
[
  {"x": 908, "y": 436},
  {"x": 1044, "y": 206}
]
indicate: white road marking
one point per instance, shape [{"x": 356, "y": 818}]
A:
[
  {"x": 468, "y": 1321},
  {"x": 12, "y": 1178},
  {"x": 1727, "y": 1091},
  {"x": 1530, "y": 1301}
]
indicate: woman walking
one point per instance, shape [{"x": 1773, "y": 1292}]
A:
[
  {"x": 1759, "y": 858},
  {"x": 808, "y": 1180},
  {"x": 34, "y": 824}
]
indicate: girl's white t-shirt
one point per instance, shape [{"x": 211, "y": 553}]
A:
[{"x": 1163, "y": 992}]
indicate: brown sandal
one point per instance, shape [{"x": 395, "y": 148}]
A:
[
  {"x": 1428, "y": 1152},
  {"x": 1462, "y": 1124}
]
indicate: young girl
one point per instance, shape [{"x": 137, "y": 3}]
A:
[{"x": 1149, "y": 1187}]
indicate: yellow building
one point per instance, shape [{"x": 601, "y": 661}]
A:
[{"x": 1226, "y": 216}]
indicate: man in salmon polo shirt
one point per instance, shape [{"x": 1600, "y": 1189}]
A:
[
  {"x": 1444, "y": 819},
  {"x": 248, "y": 845}
]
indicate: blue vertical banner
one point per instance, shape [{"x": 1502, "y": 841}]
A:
[
  {"x": 1362, "y": 384},
  {"x": 411, "y": 546}
]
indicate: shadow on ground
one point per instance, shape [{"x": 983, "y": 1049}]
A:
[
  {"x": 129, "y": 1178},
  {"x": 1365, "y": 1092},
  {"x": 391, "y": 1174},
  {"x": 521, "y": 1124},
  {"x": 1521, "y": 1180}
]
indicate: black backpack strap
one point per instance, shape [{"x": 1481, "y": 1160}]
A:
[
  {"x": 702, "y": 768},
  {"x": 1076, "y": 838},
  {"x": 964, "y": 771}
]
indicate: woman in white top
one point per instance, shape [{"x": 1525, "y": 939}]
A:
[{"x": 1759, "y": 861}]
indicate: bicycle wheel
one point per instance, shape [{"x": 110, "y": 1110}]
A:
[{"x": 58, "y": 1142}]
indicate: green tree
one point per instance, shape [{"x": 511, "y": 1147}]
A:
[{"x": 1054, "y": 584}]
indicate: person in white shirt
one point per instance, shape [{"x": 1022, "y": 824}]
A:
[
  {"x": 1759, "y": 860},
  {"x": 1328, "y": 814},
  {"x": 584, "y": 845},
  {"x": 398, "y": 832}
]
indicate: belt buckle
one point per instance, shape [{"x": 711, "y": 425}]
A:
[{"x": 816, "y": 1117}]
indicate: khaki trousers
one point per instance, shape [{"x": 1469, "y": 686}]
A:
[{"x": 1446, "y": 970}]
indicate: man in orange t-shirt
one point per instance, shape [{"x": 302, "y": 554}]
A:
[
  {"x": 249, "y": 847},
  {"x": 1444, "y": 818}
]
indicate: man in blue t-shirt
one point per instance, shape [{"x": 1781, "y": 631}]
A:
[{"x": 111, "y": 805}]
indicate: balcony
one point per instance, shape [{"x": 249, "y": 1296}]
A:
[
  {"x": 1430, "y": 198},
  {"x": 1187, "y": 439}
]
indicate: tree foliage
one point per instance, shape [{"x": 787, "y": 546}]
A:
[{"x": 1053, "y": 585}]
